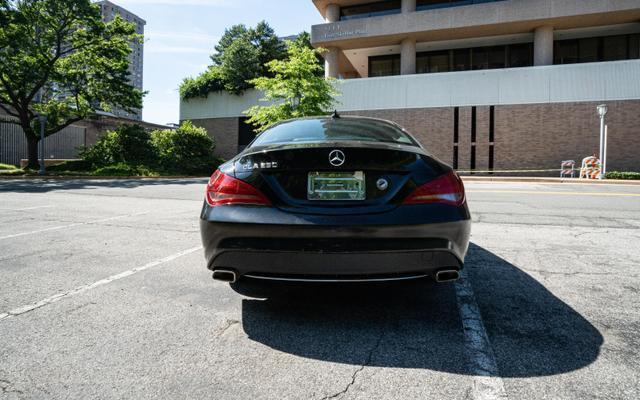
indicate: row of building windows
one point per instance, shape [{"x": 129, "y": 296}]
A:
[
  {"x": 608, "y": 48},
  {"x": 387, "y": 7},
  {"x": 476, "y": 58}
]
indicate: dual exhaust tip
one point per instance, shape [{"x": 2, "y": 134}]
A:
[
  {"x": 442, "y": 276},
  {"x": 447, "y": 275},
  {"x": 225, "y": 275}
]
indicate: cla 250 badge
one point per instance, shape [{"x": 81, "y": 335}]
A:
[{"x": 249, "y": 165}]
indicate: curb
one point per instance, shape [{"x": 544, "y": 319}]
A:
[
  {"x": 571, "y": 181},
  {"x": 93, "y": 178},
  {"x": 505, "y": 179}
]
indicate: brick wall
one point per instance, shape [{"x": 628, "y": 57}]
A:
[
  {"x": 537, "y": 136},
  {"x": 225, "y": 132},
  {"x": 541, "y": 135}
]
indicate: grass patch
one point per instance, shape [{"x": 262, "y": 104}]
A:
[
  {"x": 623, "y": 175},
  {"x": 8, "y": 167},
  {"x": 11, "y": 172},
  {"x": 84, "y": 169}
]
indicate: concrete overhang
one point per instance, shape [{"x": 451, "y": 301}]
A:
[
  {"x": 321, "y": 5},
  {"x": 489, "y": 19}
]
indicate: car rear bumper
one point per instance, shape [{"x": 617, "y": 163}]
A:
[{"x": 334, "y": 253}]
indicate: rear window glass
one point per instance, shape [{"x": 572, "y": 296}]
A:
[{"x": 329, "y": 130}]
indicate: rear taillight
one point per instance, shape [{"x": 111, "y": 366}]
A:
[
  {"x": 224, "y": 190},
  {"x": 447, "y": 189}
]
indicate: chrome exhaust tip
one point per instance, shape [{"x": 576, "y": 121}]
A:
[
  {"x": 447, "y": 275},
  {"x": 225, "y": 275}
]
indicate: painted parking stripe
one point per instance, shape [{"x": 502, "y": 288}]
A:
[
  {"x": 540, "y": 192},
  {"x": 81, "y": 289},
  {"x": 487, "y": 384},
  {"x": 23, "y": 209},
  {"x": 57, "y": 228}
]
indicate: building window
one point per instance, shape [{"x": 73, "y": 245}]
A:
[
  {"x": 435, "y": 61},
  {"x": 634, "y": 46},
  {"x": 493, "y": 57},
  {"x": 370, "y": 10},
  {"x": 423, "y": 5},
  {"x": 607, "y": 48},
  {"x": 615, "y": 48},
  {"x": 384, "y": 65},
  {"x": 520, "y": 55}
]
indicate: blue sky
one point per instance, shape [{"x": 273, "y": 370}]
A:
[{"x": 180, "y": 35}]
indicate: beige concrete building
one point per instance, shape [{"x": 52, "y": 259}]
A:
[
  {"x": 483, "y": 84},
  {"x": 136, "y": 58}
]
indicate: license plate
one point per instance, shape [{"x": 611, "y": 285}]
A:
[{"x": 336, "y": 186}]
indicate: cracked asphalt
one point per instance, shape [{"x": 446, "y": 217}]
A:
[{"x": 105, "y": 295}]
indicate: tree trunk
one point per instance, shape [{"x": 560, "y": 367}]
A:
[{"x": 32, "y": 152}]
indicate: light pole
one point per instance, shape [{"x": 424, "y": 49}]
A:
[
  {"x": 42, "y": 119},
  {"x": 43, "y": 122},
  {"x": 602, "y": 112}
]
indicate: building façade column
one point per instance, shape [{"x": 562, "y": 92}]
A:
[
  {"x": 332, "y": 13},
  {"x": 408, "y": 6},
  {"x": 543, "y": 46},
  {"x": 331, "y": 62},
  {"x": 408, "y": 57}
]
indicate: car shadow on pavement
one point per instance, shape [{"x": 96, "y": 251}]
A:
[
  {"x": 417, "y": 324},
  {"x": 48, "y": 185}
]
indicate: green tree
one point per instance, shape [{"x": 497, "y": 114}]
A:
[
  {"x": 240, "y": 63},
  {"x": 61, "y": 53},
  {"x": 230, "y": 35},
  {"x": 295, "y": 91},
  {"x": 304, "y": 40},
  {"x": 269, "y": 46},
  {"x": 241, "y": 55}
]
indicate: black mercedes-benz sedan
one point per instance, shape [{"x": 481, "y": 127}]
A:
[{"x": 335, "y": 199}]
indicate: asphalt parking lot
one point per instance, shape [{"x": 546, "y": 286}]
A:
[{"x": 105, "y": 295}]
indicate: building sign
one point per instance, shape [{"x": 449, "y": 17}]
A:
[{"x": 336, "y": 31}]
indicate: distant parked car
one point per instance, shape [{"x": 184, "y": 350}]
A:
[{"x": 335, "y": 199}]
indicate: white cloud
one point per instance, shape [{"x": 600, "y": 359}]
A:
[
  {"x": 201, "y": 3},
  {"x": 183, "y": 36},
  {"x": 176, "y": 49}
]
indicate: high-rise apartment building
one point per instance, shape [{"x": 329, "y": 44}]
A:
[{"x": 136, "y": 59}]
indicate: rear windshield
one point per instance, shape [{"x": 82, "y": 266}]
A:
[{"x": 329, "y": 130}]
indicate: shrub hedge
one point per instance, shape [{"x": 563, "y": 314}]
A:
[
  {"x": 623, "y": 175},
  {"x": 188, "y": 149},
  {"x": 130, "y": 150}
]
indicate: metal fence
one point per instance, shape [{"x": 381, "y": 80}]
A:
[{"x": 63, "y": 145}]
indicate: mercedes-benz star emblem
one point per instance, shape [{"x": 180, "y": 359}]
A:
[{"x": 336, "y": 158}]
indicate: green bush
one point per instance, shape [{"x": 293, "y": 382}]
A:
[
  {"x": 187, "y": 150},
  {"x": 623, "y": 175},
  {"x": 75, "y": 165},
  {"x": 210, "y": 81},
  {"x": 128, "y": 144},
  {"x": 122, "y": 169}
]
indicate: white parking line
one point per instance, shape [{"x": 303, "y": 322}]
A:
[
  {"x": 56, "y": 228},
  {"x": 487, "y": 384},
  {"x": 81, "y": 289},
  {"x": 23, "y": 209}
]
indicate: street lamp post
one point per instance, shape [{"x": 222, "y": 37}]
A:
[
  {"x": 43, "y": 122},
  {"x": 602, "y": 112}
]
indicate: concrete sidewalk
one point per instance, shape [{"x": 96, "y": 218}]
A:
[
  {"x": 532, "y": 179},
  {"x": 467, "y": 178}
]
